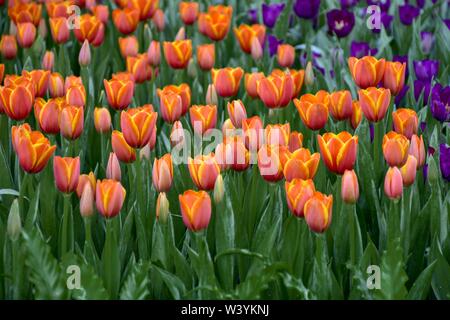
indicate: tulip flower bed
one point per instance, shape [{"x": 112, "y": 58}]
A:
[{"x": 246, "y": 150}]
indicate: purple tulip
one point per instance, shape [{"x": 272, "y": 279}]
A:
[
  {"x": 427, "y": 39},
  {"x": 271, "y": 12},
  {"x": 346, "y": 4},
  {"x": 383, "y": 4},
  {"x": 408, "y": 13},
  {"x": 252, "y": 16},
  {"x": 444, "y": 161},
  {"x": 340, "y": 22},
  {"x": 306, "y": 9},
  {"x": 386, "y": 20},
  {"x": 426, "y": 69},
  {"x": 440, "y": 102},
  {"x": 272, "y": 43},
  {"x": 361, "y": 49},
  {"x": 422, "y": 86}
]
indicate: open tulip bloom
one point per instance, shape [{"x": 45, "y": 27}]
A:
[{"x": 243, "y": 150}]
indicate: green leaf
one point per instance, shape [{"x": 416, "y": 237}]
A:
[
  {"x": 136, "y": 284},
  {"x": 441, "y": 276},
  {"x": 9, "y": 192},
  {"x": 421, "y": 287},
  {"x": 173, "y": 283}
]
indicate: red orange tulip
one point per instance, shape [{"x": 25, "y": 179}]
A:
[
  {"x": 341, "y": 105},
  {"x": 47, "y": 114},
  {"x": 405, "y": 121},
  {"x": 253, "y": 133},
  {"x": 285, "y": 55},
  {"x": 417, "y": 149},
  {"x": 102, "y": 120},
  {"x": 17, "y": 98},
  {"x": 338, "y": 151},
  {"x": 129, "y": 46},
  {"x": 246, "y": 33},
  {"x": 85, "y": 179},
  {"x": 67, "y": 172},
  {"x": 251, "y": 83},
  {"x": 349, "y": 187},
  {"x": 367, "y": 71},
  {"x": 374, "y": 103},
  {"x": 356, "y": 118},
  {"x": 139, "y": 67},
  {"x": 206, "y": 56},
  {"x": 154, "y": 53},
  {"x": 227, "y": 80},
  {"x": 298, "y": 192},
  {"x": 394, "y": 76},
  {"x": 121, "y": 148},
  {"x": 26, "y": 33},
  {"x": 393, "y": 183},
  {"x": 409, "y": 170},
  {"x": 237, "y": 112},
  {"x": 162, "y": 173},
  {"x": 126, "y": 20},
  {"x": 318, "y": 212},
  {"x": 178, "y": 53},
  {"x": 40, "y": 79},
  {"x": 231, "y": 153},
  {"x": 71, "y": 121},
  {"x": 59, "y": 29},
  {"x": 313, "y": 109},
  {"x": 295, "y": 141},
  {"x": 195, "y": 209},
  {"x": 203, "y": 118},
  {"x": 395, "y": 149},
  {"x": 269, "y": 162},
  {"x": 276, "y": 90},
  {"x": 204, "y": 171},
  {"x": 183, "y": 90},
  {"x": 300, "y": 164},
  {"x": 109, "y": 197},
  {"x": 138, "y": 125},
  {"x": 215, "y": 24},
  {"x": 119, "y": 93},
  {"x": 146, "y": 8},
  {"x": 188, "y": 12},
  {"x": 8, "y": 46},
  {"x": 278, "y": 134},
  {"x": 25, "y": 12},
  {"x": 56, "y": 85},
  {"x": 91, "y": 29}
]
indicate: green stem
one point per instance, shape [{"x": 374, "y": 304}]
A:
[
  {"x": 22, "y": 191},
  {"x": 377, "y": 147},
  {"x": 67, "y": 227}
]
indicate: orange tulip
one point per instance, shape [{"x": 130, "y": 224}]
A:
[
  {"x": 71, "y": 121},
  {"x": 318, "y": 212},
  {"x": 129, "y": 46},
  {"x": 409, "y": 170},
  {"x": 195, "y": 209},
  {"x": 277, "y": 134},
  {"x": 251, "y": 83},
  {"x": 162, "y": 173},
  {"x": 59, "y": 30},
  {"x": 393, "y": 183},
  {"x": 228, "y": 129},
  {"x": 154, "y": 53},
  {"x": 204, "y": 171},
  {"x": 367, "y": 71},
  {"x": 40, "y": 79},
  {"x": 276, "y": 90},
  {"x": 121, "y": 148},
  {"x": 101, "y": 12},
  {"x": 67, "y": 172},
  {"x": 374, "y": 103},
  {"x": 76, "y": 95},
  {"x": 295, "y": 141},
  {"x": 298, "y": 76},
  {"x": 245, "y": 33},
  {"x": 237, "y": 112},
  {"x": 25, "y": 12},
  {"x": 394, "y": 76},
  {"x": 56, "y": 85},
  {"x": 395, "y": 149},
  {"x": 269, "y": 162},
  {"x": 405, "y": 121},
  {"x": 125, "y": 20},
  {"x": 417, "y": 149},
  {"x": 47, "y": 114},
  {"x": 215, "y": 25},
  {"x": 253, "y": 133},
  {"x": 338, "y": 151},
  {"x": 119, "y": 93},
  {"x": 26, "y": 33},
  {"x": 203, "y": 118},
  {"x": 183, "y": 90},
  {"x": 109, "y": 197},
  {"x": 349, "y": 187},
  {"x": 178, "y": 53},
  {"x": 159, "y": 20},
  {"x": 356, "y": 117},
  {"x": 90, "y": 29},
  {"x": 48, "y": 61},
  {"x": 138, "y": 125},
  {"x": 232, "y": 153},
  {"x": 313, "y": 109},
  {"x": 298, "y": 192},
  {"x": 176, "y": 134},
  {"x": 102, "y": 120},
  {"x": 206, "y": 56},
  {"x": 227, "y": 80},
  {"x": 170, "y": 105},
  {"x": 87, "y": 201},
  {"x": 188, "y": 12},
  {"x": 58, "y": 9},
  {"x": 300, "y": 164},
  {"x": 341, "y": 106},
  {"x": 139, "y": 67},
  {"x": 32, "y": 148},
  {"x": 147, "y": 8},
  {"x": 83, "y": 180},
  {"x": 285, "y": 55},
  {"x": 8, "y": 46},
  {"x": 17, "y": 98}
]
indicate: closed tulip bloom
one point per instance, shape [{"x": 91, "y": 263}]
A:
[
  {"x": 121, "y": 148},
  {"x": 349, "y": 187},
  {"x": 139, "y": 67},
  {"x": 119, "y": 93},
  {"x": 409, "y": 170},
  {"x": 231, "y": 153},
  {"x": 215, "y": 25},
  {"x": 71, "y": 122},
  {"x": 298, "y": 192},
  {"x": 313, "y": 109},
  {"x": 367, "y": 71},
  {"x": 109, "y": 197},
  {"x": 154, "y": 53},
  {"x": 417, "y": 149},
  {"x": 256, "y": 49},
  {"x": 72, "y": 81},
  {"x": 146, "y": 8},
  {"x": 394, "y": 76},
  {"x": 295, "y": 141},
  {"x": 17, "y": 98},
  {"x": 251, "y": 83},
  {"x": 129, "y": 46},
  {"x": 338, "y": 151},
  {"x": 48, "y": 60},
  {"x": 227, "y": 81},
  {"x": 40, "y": 79},
  {"x": 125, "y": 20},
  {"x": 183, "y": 90},
  {"x": 277, "y": 134},
  {"x": 84, "y": 57},
  {"x": 87, "y": 201},
  {"x": 159, "y": 20},
  {"x": 56, "y": 85},
  {"x": 211, "y": 95},
  {"x": 138, "y": 125},
  {"x": 32, "y": 148},
  {"x": 76, "y": 95},
  {"x": 113, "y": 168},
  {"x": 356, "y": 117},
  {"x": 67, "y": 172},
  {"x": 206, "y": 56},
  {"x": 285, "y": 55},
  {"x": 269, "y": 162},
  {"x": 170, "y": 106},
  {"x": 393, "y": 183},
  {"x": 47, "y": 114},
  {"x": 195, "y": 209},
  {"x": 237, "y": 112},
  {"x": 102, "y": 120},
  {"x": 318, "y": 212},
  {"x": 203, "y": 118},
  {"x": 177, "y": 134},
  {"x": 188, "y": 12},
  {"x": 276, "y": 90},
  {"x": 178, "y": 53},
  {"x": 26, "y": 33},
  {"x": 298, "y": 76},
  {"x": 405, "y": 121},
  {"x": 341, "y": 105},
  {"x": 374, "y": 103},
  {"x": 8, "y": 46},
  {"x": 83, "y": 180},
  {"x": 395, "y": 149},
  {"x": 90, "y": 29},
  {"x": 253, "y": 133},
  {"x": 300, "y": 164},
  {"x": 204, "y": 171},
  {"x": 59, "y": 29},
  {"x": 246, "y": 33},
  {"x": 162, "y": 208}
]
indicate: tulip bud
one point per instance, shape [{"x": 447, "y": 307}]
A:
[
  {"x": 177, "y": 134},
  {"x": 154, "y": 53},
  {"x": 84, "y": 58},
  {"x": 14, "y": 226},
  {"x": 191, "y": 69},
  {"x": 309, "y": 74},
  {"x": 256, "y": 49},
  {"x": 48, "y": 60},
  {"x": 393, "y": 183},
  {"x": 162, "y": 208},
  {"x": 211, "y": 95},
  {"x": 87, "y": 201},
  {"x": 181, "y": 34},
  {"x": 409, "y": 170},
  {"x": 158, "y": 20},
  {"x": 218, "y": 189},
  {"x": 113, "y": 168},
  {"x": 350, "y": 187},
  {"x": 102, "y": 120}
]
